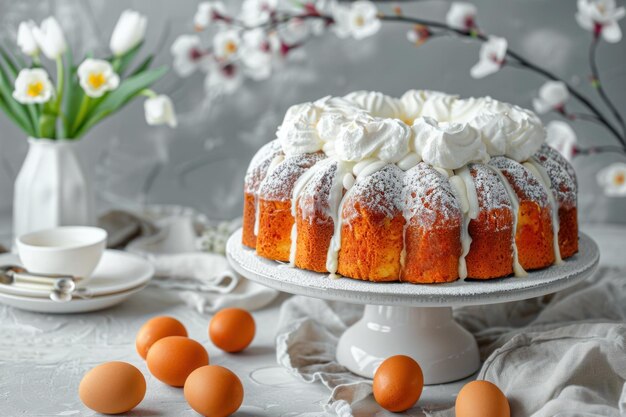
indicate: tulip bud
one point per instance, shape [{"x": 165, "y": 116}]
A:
[
  {"x": 50, "y": 38},
  {"x": 25, "y": 38},
  {"x": 129, "y": 31}
]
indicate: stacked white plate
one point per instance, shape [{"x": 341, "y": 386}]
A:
[{"x": 118, "y": 276}]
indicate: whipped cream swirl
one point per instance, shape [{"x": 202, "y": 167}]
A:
[
  {"x": 448, "y": 145},
  {"x": 373, "y": 137}
]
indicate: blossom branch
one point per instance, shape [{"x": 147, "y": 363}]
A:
[
  {"x": 520, "y": 61},
  {"x": 595, "y": 74}
]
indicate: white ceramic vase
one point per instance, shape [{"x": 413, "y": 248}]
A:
[{"x": 51, "y": 189}]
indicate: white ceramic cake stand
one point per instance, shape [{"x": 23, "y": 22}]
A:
[{"x": 409, "y": 319}]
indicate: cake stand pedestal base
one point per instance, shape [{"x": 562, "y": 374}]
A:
[{"x": 445, "y": 350}]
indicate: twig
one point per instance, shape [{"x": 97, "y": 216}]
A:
[{"x": 598, "y": 85}]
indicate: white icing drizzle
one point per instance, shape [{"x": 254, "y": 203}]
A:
[
  {"x": 542, "y": 176},
  {"x": 297, "y": 190},
  {"x": 409, "y": 161},
  {"x": 275, "y": 162},
  {"x": 472, "y": 213},
  {"x": 369, "y": 169},
  {"x": 335, "y": 202},
  {"x": 518, "y": 270}
]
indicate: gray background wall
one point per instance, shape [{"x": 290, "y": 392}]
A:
[{"x": 202, "y": 163}]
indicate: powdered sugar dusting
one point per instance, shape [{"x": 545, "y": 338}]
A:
[
  {"x": 316, "y": 193},
  {"x": 523, "y": 182},
  {"x": 427, "y": 195},
  {"x": 380, "y": 192},
  {"x": 490, "y": 191},
  {"x": 257, "y": 170},
  {"x": 563, "y": 184},
  {"x": 278, "y": 185}
]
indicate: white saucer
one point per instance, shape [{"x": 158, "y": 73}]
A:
[{"x": 118, "y": 276}]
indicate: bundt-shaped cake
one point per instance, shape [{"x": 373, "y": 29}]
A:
[{"x": 427, "y": 188}]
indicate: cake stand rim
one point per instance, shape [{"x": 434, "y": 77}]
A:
[{"x": 281, "y": 277}]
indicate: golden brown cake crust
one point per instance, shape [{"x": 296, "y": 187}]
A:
[{"x": 401, "y": 225}]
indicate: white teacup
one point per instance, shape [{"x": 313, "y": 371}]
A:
[{"x": 69, "y": 250}]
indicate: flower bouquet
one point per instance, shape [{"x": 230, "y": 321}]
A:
[{"x": 51, "y": 189}]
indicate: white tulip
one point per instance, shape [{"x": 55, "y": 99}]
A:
[
  {"x": 189, "y": 55},
  {"x": 491, "y": 57},
  {"x": 613, "y": 179},
  {"x": 461, "y": 16},
  {"x": 552, "y": 96},
  {"x": 562, "y": 137},
  {"x": 226, "y": 44},
  {"x": 600, "y": 17},
  {"x": 359, "y": 19},
  {"x": 26, "y": 40},
  {"x": 159, "y": 111},
  {"x": 96, "y": 77},
  {"x": 207, "y": 13},
  {"x": 33, "y": 86},
  {"x": 50, "y": 38},
  {"x": 129, "y": 31}
]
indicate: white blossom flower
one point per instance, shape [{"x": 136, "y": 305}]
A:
[
  {"x": 257, "y": 12},
  {"x": 223, "y": 79},
  {"x": 96, "y": 77},
  {"x": 50, "y": 38},
  {"x": 359, "y": 19},
  {"x": 613, "y": 179},
  {"x": 188, "y": 55},
  {"x": 226, "y": 44},
  {"x": 552, "y": 96},
  {"x": 209, "y": 12},
  {"x": 600, "y": 17},
  {"x": 562, "y": 137},
  {"x": 129, "y": 31},
  {"x": 461, "y": 16},
  {"x": 159, "y": 110},
  {"x": 33, "y": 86},
  {"x": 26, "y": 40},
  {"x": 259, "y": 52},
  {"x": 491, "y": 57}
]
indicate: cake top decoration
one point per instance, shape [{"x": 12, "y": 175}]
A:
[{"x": 441, "y": 129}]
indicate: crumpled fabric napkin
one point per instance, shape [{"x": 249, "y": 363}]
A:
[
  {"x": 203, "y": 280},
  {"x": 562, "y": 354}
]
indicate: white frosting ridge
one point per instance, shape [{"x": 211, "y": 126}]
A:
[
  {"x": 518, "y": 270},
  {"x": 543, "y": 177},
  {"x": 471, "y": 214}
]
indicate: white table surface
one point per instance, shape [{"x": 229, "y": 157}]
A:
[{"x": 43, "y": 357}]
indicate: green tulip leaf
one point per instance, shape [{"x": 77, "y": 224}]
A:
[{"x": 115, "y": 100}]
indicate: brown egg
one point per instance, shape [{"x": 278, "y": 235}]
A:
[
  {"x": 481, "y": 399},
  {"x": 157, "y": 328},
  {"x": 112, "y": 388},
  {"x": 173, "y": 358},
  {"x": 398, "y": 383},
  {"x": 232, "y": 329},
  {"x": 214, "y": 391}
]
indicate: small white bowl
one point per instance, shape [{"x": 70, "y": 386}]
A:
[{"x": 70, "y": 250}]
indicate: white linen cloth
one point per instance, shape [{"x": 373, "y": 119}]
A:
[
  {"x": 203, "y": 280},
  {"x": 562, "y": 354}
]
